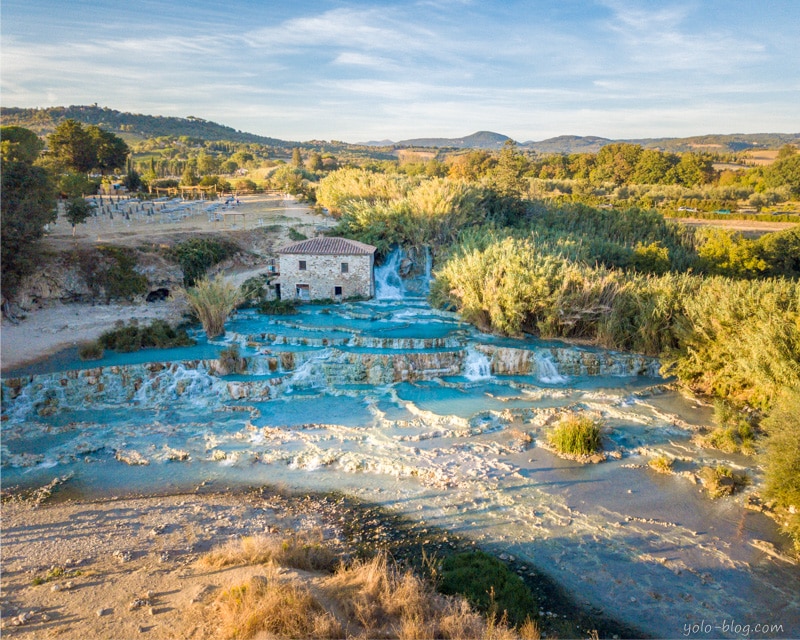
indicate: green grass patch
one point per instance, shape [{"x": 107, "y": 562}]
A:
[
  {"x": 296, "y": 235},
  {"x": 489, "y": 585},
  {"x": 56, "y": 573},
  {"x": 576, "y": 435}
]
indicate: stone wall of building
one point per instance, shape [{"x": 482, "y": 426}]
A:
[{"x": 323, "y": 273}]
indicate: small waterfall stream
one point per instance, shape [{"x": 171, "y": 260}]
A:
[
  {"x": 547, "y": 369},
  {"x": 388, "y": 283},
  {"x": 477, "y": 366}
]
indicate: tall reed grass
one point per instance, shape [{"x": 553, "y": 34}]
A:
[
  {"x": 576, "y": 435},
  {"x": 212, "y": 301}
]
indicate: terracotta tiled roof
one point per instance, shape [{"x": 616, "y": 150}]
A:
[{"x": 329, "y": 246}]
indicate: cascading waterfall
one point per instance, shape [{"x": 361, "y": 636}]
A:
[
  {"x": 477, "y": 366},
  {"x": 547, "y": 370},
  {"x": 388, "y": 283},
  {"x": 428, "y": 269},
  {"x": 309, "y": 375}
]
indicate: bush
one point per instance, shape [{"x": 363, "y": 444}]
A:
[
  {"x": 489, "y": 585},
  {"x": 278, "y": 307},
  {"x": 295, "y": 235},
  {"x": 111, "y": 272},
  {"x": 740, "y": 340},
  {"x": 197, "y": 255},
  {"x": 212, "y": 301},
  {"x": 254, "y": 290},
  {"x": 721, "y": 481},
  {"x": 781, "y": 459},
  {"x": 90, "y": 351},
  {"x": 576, "y": 435},
  {"x": 158, "y": 334},
  {"x": 121, "y": 279}
]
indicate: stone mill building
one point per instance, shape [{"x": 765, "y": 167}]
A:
[{"x": 325, "y": 268}]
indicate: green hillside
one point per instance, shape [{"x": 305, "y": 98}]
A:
[{"x": 130, "y": 126}]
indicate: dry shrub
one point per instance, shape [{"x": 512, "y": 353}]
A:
[
  {"x": 298, "y": 552},
  {"x": 522, "y": 439},
  {"x": 661, "y": 464},
  {"x": 385, "y": 601},
  {"x": 369, "y": 599},
  {"x": 266, "y": 604},
  {"x": 529, "y": 630}
]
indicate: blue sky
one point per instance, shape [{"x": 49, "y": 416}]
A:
[{"x": 355, "y": 70}]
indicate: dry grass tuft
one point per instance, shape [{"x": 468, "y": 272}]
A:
[
  {"x": 386, "y": 602},
  {"x": 523, "y": 439},
  {"x": 368, "y": 599},
  {"x": 299, "y": 552},
  {"x": 273, "y": 607},
  {"x": 662, "y": 464}
]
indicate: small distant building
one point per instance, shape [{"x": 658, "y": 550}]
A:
[{"x": 325, "y": 268}]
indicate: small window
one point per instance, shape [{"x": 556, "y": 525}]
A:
[
  {"x": 345, "y": 267},
  {"x": 337, "y": 292},
  {"x": 302, "y": 265}
]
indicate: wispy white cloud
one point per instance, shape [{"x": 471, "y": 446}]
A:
[
  {"x": 663, "y": 38},
  {"x": 419, "y": 67}
]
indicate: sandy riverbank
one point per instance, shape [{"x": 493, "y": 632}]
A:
[
  {"x": 47, "y": 331},
  {"x": 120, "y": 568}
]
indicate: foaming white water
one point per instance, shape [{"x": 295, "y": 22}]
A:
[
  {"x": 388, "y": 283},
  {"x": 477, "y": 366},
  {"x": 196, "y": 385},
  {"x": 547, "y": 370},
  {"x": 428, "y": 268},
  {"x": 310, "y": 374}
]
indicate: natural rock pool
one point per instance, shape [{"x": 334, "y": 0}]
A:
[{"x": 407, "y": 407}]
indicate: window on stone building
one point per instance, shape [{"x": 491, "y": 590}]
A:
[
  {"x": 345, "y": 267},
  {"x": 302, "y": 265}
]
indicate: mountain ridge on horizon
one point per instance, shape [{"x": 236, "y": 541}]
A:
[{"x": 44, "y": 120}]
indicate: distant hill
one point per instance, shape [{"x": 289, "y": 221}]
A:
[
  {"x": 131, "y": 126},
  {"x": 478, "y": 140},
  {"x": 376, "y": 143},
  {"x": 711, "y": 142},
  {"x": 722, "y": 142},
  {"x": 568, "y": 144}
]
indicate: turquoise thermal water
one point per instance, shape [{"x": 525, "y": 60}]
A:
[{"x": 408, "y": 407}]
